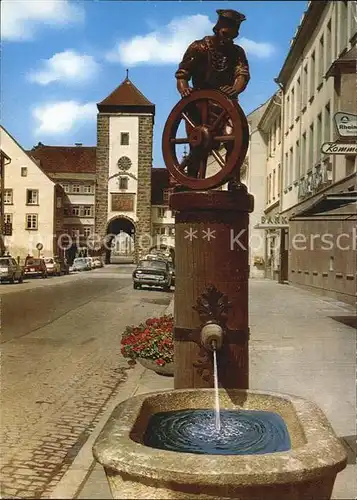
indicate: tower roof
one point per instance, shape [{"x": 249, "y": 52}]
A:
[{"x": 126, "y": 98}]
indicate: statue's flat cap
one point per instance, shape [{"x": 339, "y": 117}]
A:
[{"x": 231, "y": 14}]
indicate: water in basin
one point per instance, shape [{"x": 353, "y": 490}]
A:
[{"x": 243, "y": 432}]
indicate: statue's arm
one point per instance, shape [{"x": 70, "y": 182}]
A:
[
  {"x": 184, "y": 73},
  {"x": 242, "y": 75}
]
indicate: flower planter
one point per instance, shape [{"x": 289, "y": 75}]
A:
[{"x": 166, "y": 369}]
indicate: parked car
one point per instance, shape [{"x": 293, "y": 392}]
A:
[
  {"x": 90, "y": 262},
  {"x": 35, "y": 267},
  {"x": 64, "y": 266},
  {"x": 10, "y": 270},
  {"x": 80, "y": 264},
  {"x": 53, "y": 266},
  {"x": 152, "y": 273}
]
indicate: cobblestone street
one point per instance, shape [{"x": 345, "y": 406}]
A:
[{"x": 60, "y": 367}]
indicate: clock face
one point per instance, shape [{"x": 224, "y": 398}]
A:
[{"x": 124, "y": 163}]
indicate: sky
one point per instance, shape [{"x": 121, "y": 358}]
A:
[{"x": 61, "y": 57}]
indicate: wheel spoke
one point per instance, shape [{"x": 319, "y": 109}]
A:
[
  {"x": 218, "y": 120},
  {"x": 218, "y": 157},
  {"x": 177, "y": 140},
  {"x": 203, "y": 167},
  {"x": 224, "y": 138},
  {"x": 204, "y": 113},
  {"x": 188, "y": 120}
]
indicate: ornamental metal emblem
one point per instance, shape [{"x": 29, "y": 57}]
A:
[{"x": 124, "y": 163}]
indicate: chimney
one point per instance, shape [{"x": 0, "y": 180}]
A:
[{"x": 78, "y": 144}]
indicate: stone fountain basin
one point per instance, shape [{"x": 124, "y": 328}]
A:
[{"x": 307, "y": 471}]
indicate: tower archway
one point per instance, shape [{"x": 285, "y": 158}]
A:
[{"x": 120, "y": 238}]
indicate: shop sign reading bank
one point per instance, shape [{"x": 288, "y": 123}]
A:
[{"x": 338, "y": 148}]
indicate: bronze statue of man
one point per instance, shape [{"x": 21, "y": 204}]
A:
[{"x": 215, "y": 62}]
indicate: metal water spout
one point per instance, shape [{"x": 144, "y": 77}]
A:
[{"x": 212, "y": 336}]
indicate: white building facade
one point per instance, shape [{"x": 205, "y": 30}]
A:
[{"x": 33, "y": 204}]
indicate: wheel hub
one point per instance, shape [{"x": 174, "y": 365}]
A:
[{"x": 200, "y": 137}]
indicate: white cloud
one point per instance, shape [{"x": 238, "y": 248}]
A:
[
  {"x": 262, "y": 50},
  {"x": 168, "y": 44},
  {"x": 67, "y": 66},
  {"x": 20, "y": 19},
  {"x": 63, "y": 116},
  {"x": 163, "y": 46}
]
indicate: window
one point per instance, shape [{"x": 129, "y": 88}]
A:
[
  {"x": 327, "y": 123},
  {"x": 31, "y": 222},
  {"x": 312, "y": 75},
  {"x": 286, "y": 170},
  {"x": 269, "y": 189},
  {"x": 292, "y": 114},
  {"x": 124, "y": 139},
  {"x": 123, "y": 183},
  {"x": 32, "y": 197},
  {"x": 171, "y": 231},
  {"x": 23, "y": 171},
  {"x": 287, "y": 113},
  {"x": 75, "y": 233},
  {"x": 279, "y": 129},
  {"x": 8, "y": 197},
  {"x": 87, "y": 231},
  {"x": 279, "y": 172},
  {"x": 311, "y": 147},
  {"x": 342, "y": 26},
  {"x": 7, "y": 218},
  {"x": 320, "y": 61},
  {"x": 76, "y": 188},
  {"x": 328, "y": 47},
  {"x": 298, "y": 96},
  {"x": 58, "y": 202},
  {"x": 274, "y": 182},
  {"x": 87, "y": 189},
  {"x": 87, "y": 211},
  {"x": 75, "y": 211},
  {"x": 65, "y": 188},
  {"x": 161, "y": 212},
  {"x": 297, "y": 161},
  {"x": 304, "y": 86},
  {"x": 303, "y": 155},
  {"x": 318, "y": 132},
  {"x": 166, "y": 196},
  {"x": 291, "y": 166}
]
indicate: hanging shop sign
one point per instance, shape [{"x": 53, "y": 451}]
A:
[
  {"x": 346, "y": 124},
  {"x": 338, "y": 148}
]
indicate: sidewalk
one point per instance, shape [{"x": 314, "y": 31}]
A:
[{"x": 300, "y": 344}]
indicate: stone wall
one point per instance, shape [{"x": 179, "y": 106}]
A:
[
  {"x": 102, "y": 174},
  {"x": 143, "y": 209}
]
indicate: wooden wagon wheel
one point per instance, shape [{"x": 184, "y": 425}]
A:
[{"x": 207, "y": 114}]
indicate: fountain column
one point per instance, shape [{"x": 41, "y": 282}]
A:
[{"x": 211, "y": 245}]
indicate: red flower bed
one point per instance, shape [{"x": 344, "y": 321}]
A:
[{"x": 150, "y": 340}]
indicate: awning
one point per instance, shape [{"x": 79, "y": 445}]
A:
[
  {"x": 331, "y": 205},
  {"x": 271, "y": 226}
]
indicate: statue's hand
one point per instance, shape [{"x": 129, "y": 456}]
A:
[
  {"x": 183, "y": 87},
  {"x": 185, "y": 92},
  {"x": 229, "y": 91}
]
